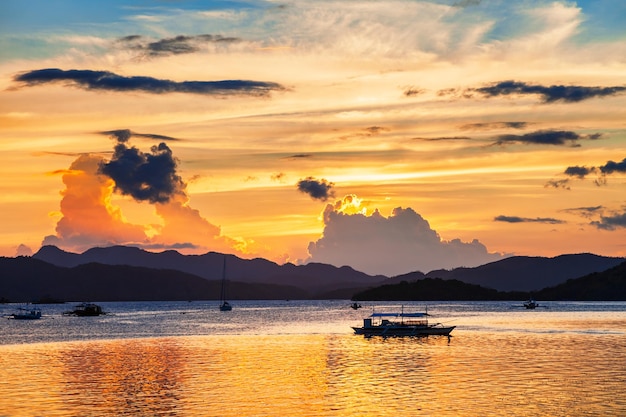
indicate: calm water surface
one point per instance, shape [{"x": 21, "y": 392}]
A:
[{"x": 300, "y": 358}]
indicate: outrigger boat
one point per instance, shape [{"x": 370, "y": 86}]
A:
[
  {"x": 85, "y": 310},
  {"x": 531, "y": 304},
  {"x": 401, "y": 324},
  {"x": 24, "y": 313}
]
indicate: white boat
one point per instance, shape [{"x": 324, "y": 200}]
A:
[
  {"x": 24, "y": 313},
  {"x": 224, "y": 305},
  {"x": 401, "y": 324}
]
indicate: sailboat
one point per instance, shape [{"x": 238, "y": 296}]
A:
[{"x": 224, "y": 305}]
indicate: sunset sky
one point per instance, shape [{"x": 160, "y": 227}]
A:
[{"x": 391, "y": 136}]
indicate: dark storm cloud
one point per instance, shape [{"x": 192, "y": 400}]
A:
[
  {"x": 180, "y": 44},
  {"x": 578, "y": 171},
  {"x": 549, "y": 94},
  {"x": 546, "y": 137},
  {"x": 516, "y": 219},
  {"x": 611, "y": 222},
  {"x": 494, "y": 125},
  {"x": 108, "y": 81},
  {"x": 144, "y": 176},
  {"x": 123, "y": 135},
  {"x": 609, "y": 168},
  {"x": 317, "y": 189}
]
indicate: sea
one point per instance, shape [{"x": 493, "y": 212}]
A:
[{"x": 302, "y": 358}]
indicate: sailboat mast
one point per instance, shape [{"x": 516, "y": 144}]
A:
[{"x": 223, "y": 290}]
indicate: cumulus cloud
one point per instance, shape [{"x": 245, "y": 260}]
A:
[
  {"x": 108, "y": 81},
  {"x": 177, "y": 45},
  {"x": 89, "y": 218},
  {"x": 400, "y": 243},
  {"x": 516, "y": 219},
  {"x": 548, "y": 94},
  {"x": 23, "y": 250},
  {"x": 317, "y": 189}
]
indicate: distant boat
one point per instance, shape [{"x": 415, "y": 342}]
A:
[
  {"x": 355, "y": 306},
  {"x": 24, "y": 313},
  {"x": 224, "y": 305},
  {"x": 409, "y": 324},
  {"x": 85, "y": 310},
  {"x": 531, "y": 304}
]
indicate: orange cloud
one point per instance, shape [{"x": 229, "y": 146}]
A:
[{"x": 89, "y": 218}]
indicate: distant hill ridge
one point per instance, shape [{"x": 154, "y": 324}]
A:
[
  {"x": 314, "y": 280},
  {"x": 313, "y": 277},
  {"x": 26, "y": 279},
  {"x": 523, "y": 273},
  {"x": 609, "y": 285}
]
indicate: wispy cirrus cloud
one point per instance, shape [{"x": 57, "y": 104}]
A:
[
  {"x": 586, "y": 212},
  {"x": 181, "y": 44},
  {"x": 124, "y": 135},
  {"x": 494, "y": 125},
  {"x": 109, "y": 81}
]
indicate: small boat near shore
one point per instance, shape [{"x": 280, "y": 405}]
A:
[
  {"x": 531, "y": 304},
  {"x": 401, "y": 324},
  {"x": 85, "y": 310},
  {"x": 24, "y": 313}
]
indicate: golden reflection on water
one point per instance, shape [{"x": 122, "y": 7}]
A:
[
  {"x": 474, "y": 374},
  {"x": 118, "y": 377}
]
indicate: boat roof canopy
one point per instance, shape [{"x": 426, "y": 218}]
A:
[{"x": 399, "y": 315}]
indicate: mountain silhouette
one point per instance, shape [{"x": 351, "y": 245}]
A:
[
  {"x": 130, "y": 273},
  {"x": 523, "y": 273},
  {"x": 26, "y": 279},
  {"x": 609, "y": 285},
  {"x": 313, "y": 278}
]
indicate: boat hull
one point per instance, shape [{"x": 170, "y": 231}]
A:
[
  {"x": 404, "y": 330},
  {"x": 26, "y": 316}
]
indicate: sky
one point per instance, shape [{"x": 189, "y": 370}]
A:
[{"x": 389, "y": 136}]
